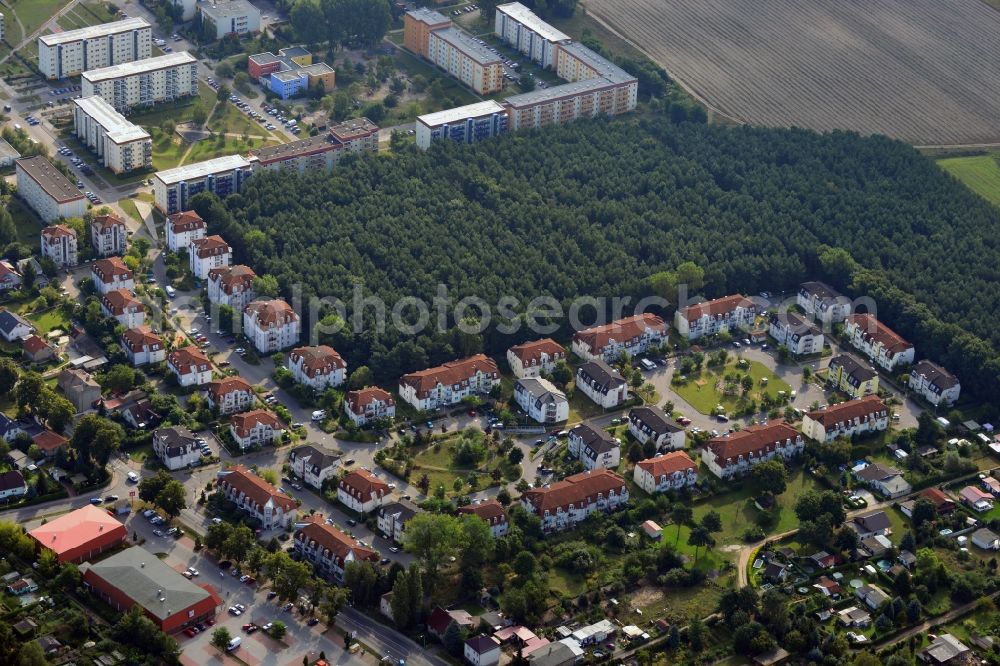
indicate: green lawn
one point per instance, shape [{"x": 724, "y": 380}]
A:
[
  {"x": 29, "y": 228},
  {"x": 33, "y": 13},
  {"x": 167, "y": 149},
  {"x": 210, "y": 148},
  {"x": 179, "y": 112},
  {"x": 227, "y": 118},
  {"x": 51, "y": 319},
  {"x": 980, "y": 173},
  {"x": 128, "y": 206},
  {"x": 702, "y": 389}
]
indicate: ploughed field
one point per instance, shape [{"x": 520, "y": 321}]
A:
[{"x": 924, "y": 71}]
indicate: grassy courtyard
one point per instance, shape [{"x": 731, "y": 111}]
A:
[
  {"x": 707, "y": 388},
  {"x": 442, "y": 464}
]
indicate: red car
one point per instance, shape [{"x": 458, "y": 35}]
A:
[
  {"x": 251, "y": 580},
  {"x": 190, "y": 632}
]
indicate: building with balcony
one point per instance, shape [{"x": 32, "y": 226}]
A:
[
  {"x": 50, "y": 194},
  {"x": 174, "y": 188},
  {"x": 563, "y": 504},
  {"x": 255, "y": 428},
  {"x": 823, "y": 302},
  {"x": 312, "y": 465},
  {"x": 463, "y": 124},
  {"x": 271, "y": 325},
  {"x": 594, "y": 447},
  {"x": 671, "y": 471},
  {"x": 70, "y": 52},
  {"x": 230, "y": 395},
  {"x": 521, "y": 28},
  {"x": 328, "y": 549},
  {"x": 799, "y": 336},
  {"x": 418, "y": 24},
  {"x": 450, "y": 383},
  {"x": 207, "y": 253},
  {"x": 220, "y": 18},
  {"x": 177, "y": 448},
  {"x": 183, "y": 228},
  {"x": 541, "y": 400},
  {"x": 491, "y": 511},
  {"x": 727, "y": 314},
  {"x": 466, "y": 59},
  {"x": 108, "y": 235},
  {"x": 232, "y": 286},
  {"x": 142, "y": 346},
  {"x": 650, "y": 423},
  {"x": 934, "y": 383},
  {"x": 124, "y": 307},
  {"x": 602, "y": 384},
  {"x": 362, "y": 491},
  {"x": 846, "y": 419},
  {"x": 110, "y": 274},
  {"x": 143, "y": 83},
  {"x": 369, "y": 404},
  {"x": 877, "y": 341},
  {"x": 59, "y": 245},
  {"x": 317, "y": 367},
  {"x": 255, "y": 496},
  {"x": 392, "y": 519},
  {"x": 531, "y": 359},
  {"x": 632, "y": 335},
  {"x": 190, "y": 365},
  {"x": 846, "y": 374},
  {"x": 118, "y": 144},
  {"x": 735, "y": 453}
]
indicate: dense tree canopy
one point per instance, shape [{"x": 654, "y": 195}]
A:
[{"x": 597, "y": 208}]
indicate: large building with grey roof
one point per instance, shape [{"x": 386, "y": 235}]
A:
[
  {"x": 521, "y": 28},
  {"x": 119, "y": 144},
  {"x": 70, "y": 52},
  {"x": 49, "y": 193},
  {"x": 143, "y": 83},
  {"x": 466, "y": 59}
]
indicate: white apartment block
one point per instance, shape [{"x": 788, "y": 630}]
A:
[
  {"x": 521, "y": 28},
  {"x": 232, "y": 286},
  {"x": 71, "y": 52},
  {"x": 108, "y": 235},
  {"x": 317, "y": 367},
  {"x": 854, "y": 417},
  {"x": 190, "y": 365},
  {"x": 188, "y": 8},
  {"x": 257, "y": 497},
  {"x": 448, "y": 384},
  {"x": 492, "y": 512},
  {"x": 142, "y": 346},
  {"x": 3, "y": 27},
  {"x": 123, "y": 306},
  {"x": 594, "y": 447},
  {"x": 652, "y": 423},
  {"x": 176, "y": 448},
  {"x": 48, "y": 192},
  {"x": 362, "y": 491},
  {"x": 173, "y": 188},
  {"x": 877, "y": 341},
  {"x": 271, "y": 325},
  {"x": 563, "y": 504},
  {"x": 729, "y": 313},
  {"x": 531, "y": 359},
  {"x": 229, "y": 17},
  {"x": 602, "y": 384},
  {"x": 735, "y": 453},
  {"x": 255, "y": 428},
  {"x": 541, "y": 400},
  {"x": 144, "y": 82},
  {"x": 368, "y": 404},
  {"x": 59, "y": 245},
  {"x": 823, "y": 302},
  {"x": 328, "y": 549},
  {"x": 799, "y": 336},
  {"x": 670, "y": 471},
  {"x": 466, "y": 59},
  {"x": 934, "y": 383},
  {"x": 110, "y": 274},
  {"x": 119, "y": 145},
  {"x": 205, "y": 254},
  {"x": 182, "y": 228},
  {"x": 230, "y": 395},
  {"x": 632, "y": 335},
  {"x": 312, "y": 465}
]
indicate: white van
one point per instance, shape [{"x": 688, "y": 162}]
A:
[
  {"x": 171, "y": 292},
  {"x": 647, "y": 364},
  {"x": 133, "y": 477},
  {"x": 233, "y": 644}
]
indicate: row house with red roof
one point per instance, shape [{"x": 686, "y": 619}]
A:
[
  {"x": 369, "y": 404},
  {"x": 271, "y": 325},
  {"x": 317, "y": 367},
  {"x": 255, "y": 428},
  {"x": 207, "y": 253},
  {"x": 877, "y": 341},
  {"x": 632, "y": 335},
  {"x": 232, "y": 286},
  {"x": 111, "y": 273},
  {"x": 108, "y": 235},
  {"x": 362, "y": 491},
  {"x": 190, "y": 365},
  {"x": 230, "y": 395},
  {"x": 450, "y": 383},
  {"x": 854, "y": 417},
  {"x": 531, "y": 359},
  {"x": 728, "y": 313},
  {"x": 490, "y": 511},
  {"x": 124, "y": 307},
  {"x": 142, "y": 346},
  {"x": 328, "y": 549},
  {"x": 563, "y": 504},
  {"x": 735, "y": 453},
  {"x": 670, "y": 471},
  {"x": 257, "y": 497},
  {"x": 183, "y": 228}
]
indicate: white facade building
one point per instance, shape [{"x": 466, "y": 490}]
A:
[
  {"x": 541, "y": 400},
  {"x": 317, "y": 367},
  {"x": 463, "y": 124},
  {"x": 362, "y": 491},
  {"x": 651, "y": 423},
  {"x": 111, "y": 274},
  {"x": 255, "y": 428},
  {"x": 119, "y": 145},
  {"x": 801, "y": 337},
  {"x": 183, "y": 228},
  {"x": 232, "y": 286},
  {"x": 602, "y": 384},
  {"x": 271, "y": 325},
  {"x": 563, "y": 504},
  {"x": 173, "y": 188},
  {"x": 491, "y": 511},
  {"x": 176, "y": 448},
  {"x": 229, "y": 17},
  {"x": 448, "y": 384},
  {"x": 142, "y": 346},
  {"x": 312, "y": 465},
  {"x": 369, "y": 404},
  {"x": 230, "y": 395},
  {"x": 108, "y": 235},
  {"x": 123, "y": 306},
  {"x": 594, "y": 447},
  {"x": 854, "y": 417},
  {"x": 144, "y": 82},
  {"x": 823, "y": 302},
  {"x": 735, "y": 453},
  {"x": 533, "y": 358},
  {"x": 208, "y": 253},
  {"x": 190, "y": 365},
  {"x": 59, "y": 245},
  {"x": 632, "y": 335},
  {"x": 934, "y": 383},
  {"x": 521, "y": 28},
  {"x": 482, "y": 650},
  {"x": 877, "y": 341},
  {"x": 257, "y": 497},
  {"x": 48, "y": 192},
  {"x": 71, "y": 52},
  {"x": 670, "y": 471},
  {"x": 712, "y": 317}
]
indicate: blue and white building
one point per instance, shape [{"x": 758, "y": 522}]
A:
[
  {"x": 463, "y": 124},
  {"x": 223, "y": 176}
]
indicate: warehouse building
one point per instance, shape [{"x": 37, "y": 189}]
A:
[
  {"x": 49, "y": 193},
  {"x": 173, "y": 188},
  {"x": 143, "y": 83},
  {"x": 68, "y": 53},
  {"x": 120, "y": 145},
  {"x": 464, "y": 124}
]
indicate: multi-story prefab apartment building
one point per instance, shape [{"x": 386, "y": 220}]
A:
[
  {"x": 464, "y": 124},
  {"x": 173, "y": 188},
  {"x": 71, "y": 52},
  {"x": 359, "y": 135},
  {"x": 571, "y": 101},
  {"x": 229, "y": 17},
  {"x": 119, "y": 144},
  {"x": 144, "y": 82},
  {"x": 418, "y": 24},
  {"x": 521, "y": 28},
  {"x": 466, "y": 59},
  {"x": 48, "y": 192}
]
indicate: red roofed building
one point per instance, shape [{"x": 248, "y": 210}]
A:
[
  {"x": 80, "y": 535},
  {"x": 532, "y": 358},
  {"x": 669, "y": 471},
  {"x": 49, "y": 442},
  {"x": 111, "y": 273},
  {"x": 271, "y": 325},
  {"x": 317, "y": 367},
  {"x": 9, "y": 277},
  {"x": 232, "y": 286},
  {"x": 230, "y": 395},
  {"x": 328, "y": 548},
  {"x": 440, "y": 619},
  {"x": 450, "y": 383},
  {"x": 632, "y": 335},
  {"x": 59, "y": 245},
  {"x": 877, "y": 341},
  {"x": 207, "y": 253},
  {"x": 564, "y": 504},
  {"x": 183, "y": 228},
  {"x": 736, "y": 452},
  {"x": 492, "y": 512},
  {"x": 713, "y": 317},
  {"x": 368, "y": 404},
  {"x": 257, "y": 497},
  {"x": 255, "y": 428},
  {"x": 143, "y": 346},
  {"x": 854, "y": 417},
  {"x": 36, "y": 350},
  {"x": 108, "y": 235},
  {"x": 191, "y": 366},
  {"x": 123, "y": 306},
  {"x": 362, "y": 491}
]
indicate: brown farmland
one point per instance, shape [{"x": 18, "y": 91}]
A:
[{"x": 924, "y": 71}]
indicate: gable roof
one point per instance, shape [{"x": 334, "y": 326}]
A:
[
  {"x": 654, "y": 419},
  {"x": 862, "y": 408},
  {"x": 104, "y": 223},
  {"x": 257, "y": 489},
  {"x": 668, "y": 463},
  {"x": 139, "y": 337},
  {"x": 934, "y": 374},
  {"x": 600, "y": 375},
  {"x": 49, "y": 441},
  {"x": 210, "y": 246},
  {"x": 340, "y": 545},
  {"x": 575, "y": 489},
  {"x": 937, "y": 497},
  {"x": 622, "y": 330},
  {"x": 220, "y": 388},
  {"x": 877, "y": 472},
  {"x": 33, "y": 344},
  {"x": 186, "y": 220},
  {"x": 716, "y": 308},
  {"x": 754, "y": 439},
  {"x": 244, "y": 423},
  {"x": 11, "y": 320},
  {"x": 450, "y": 373},
  {"x": 117, "y": 301},
  {"x": 187, "y": 360},
  {"x": 874, "y": 520},
  {"x": 317, "y": 360},
  {"x": 317, "y": 459},
  {"x": 874, "y": 330},
  {"x": 363, "y": 485},
  {"x": 597, "y": 439},
  {"x": 111, "y": 269},
  {"x": 11, "y": 479},
  {"x": 356, "y": 401},
  {"x": 531, "y": 352},
  {"x": 482, "y": 644},
  {"x": 858, "y": 372},
  {"x": 490, "y": 510}
]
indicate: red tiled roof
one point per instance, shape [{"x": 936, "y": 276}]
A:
[
  {"x": 229, "y": 277},
  {"x": 756, "y": 439},
  {"x": 358, "y": 400},
  {"x": 361, "y": 484},
  {"x": 118, "y": 300},
  {"x": 107, "y": 270},
  {"x": 575, "y": 489},
  {"x": 210, "y": 246},
  {"x": 49, "y": 441},
  {"x": 270, "y": 313},
  {"x": 873, "y": 329},
  {"x": 937, "y": 497},
  {"x": 716, "y": 308},
  {"x": 532, "y": 351},
  {"x": 256, "y": 488},
  {"x": 850, "y": 410},
  {"x": 106, "y": 222},
  {"x": 245, "y": 422},
  {"x": 491, "y": 511},
  {"x": 186, "y": 220},
  {"x": 187, "y": 360},
  {"x": 139, "y": 337},
  {"x": 597, "y": 338},
  {"x": 7, "y": 269},
  {"x": 54, "y": 231},
  {"x": 668, "y": 463},
  {"x": 449, "y": 374},
  {"x": 319, "y": 360},
  {"x": 338, "y": 543},
  {"x": 221, "y": 388},
  {"x": 34, "y": 344}
]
